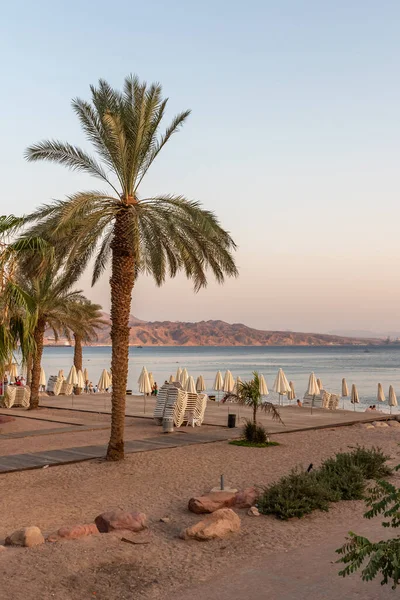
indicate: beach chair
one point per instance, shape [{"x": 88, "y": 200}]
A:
[
  {"x": 22, "y": 396},
  {"x": 161, "y": 400},
  {"x": 54, "y": 385},
  {"x": 9, "y": 396},
  {"x": 195, "y": 409},
  {"x": 66, "y": 388}
]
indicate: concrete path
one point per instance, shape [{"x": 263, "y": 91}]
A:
[
  {"x": 183, "y": 437},
  {"x": 302, "y": 574}
]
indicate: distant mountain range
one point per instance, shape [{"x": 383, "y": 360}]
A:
[
  {"x": 393, "y": 335},
  {"x": 219, "y": 333}
]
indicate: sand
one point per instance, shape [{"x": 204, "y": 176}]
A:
[{"x": 160, "y": 483}]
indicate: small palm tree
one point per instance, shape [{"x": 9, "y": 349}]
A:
[
  {"x": 158, "y": 236},
  {"x": 248, "y": 394},
  {"x": 54, "y": 303}
]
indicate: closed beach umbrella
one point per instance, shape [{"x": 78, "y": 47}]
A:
[
  {"x": 42, "y": 380},
  {"x": 237, "y": 384},
  {"x": 313, "y": 389},
  {"x": 86, "y": 375},
  {"x": 291, "y": 393},
  {"x": 281, "y": 384},
  {"x": 345, "y": 390},
  {"x": 178, "y": 374},
  {"x": 81, "y": 381},
  {"x": 354, "y": 396},
  {"x": 229, "y": 382},
  {"x": 190, "y": 386},
  {"x": 380, "y": 395},
  {"x": 151, "y": 379},
  {"x": 61, "y": 373},
  {"x": 263, "y": 389},
  {"x": 200, "y": 384},
  {"x": 72, "y": 378},
  {"x": 218, "y": 383},
  {"x": 392, "y": 398},
  {"x": 319, "y": 383},
  {"x": 184, "y": 377},
  {"x": 109, "y": 377},
  {"x": 144, "y": 385},
  {"x": 171, "y": 379},
  {"x": 104, "y": 381}
]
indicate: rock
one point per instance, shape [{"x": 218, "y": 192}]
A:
[
  {"x": 53, "y": 537},
  {"x": 211, "y": 502},
  {"x": 380, "y": 424},
  {"x": 2, "y": 548},
  {"x": 114, "y": 520},
  {"x": 165, "y": 519},
  {"x": 246, "y": 498},
  {"x": 216, "y": 525},
  {"x": 253, "y": 512},
  {"x": 77, "y": 531},
  {"x": 28, "y": 537},
  {"x": 393, "y": 423}
]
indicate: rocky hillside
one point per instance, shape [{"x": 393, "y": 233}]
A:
[{"x": 219, "y": 333}]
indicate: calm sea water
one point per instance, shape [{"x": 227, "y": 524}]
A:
[{"x": 330, "y": 364}]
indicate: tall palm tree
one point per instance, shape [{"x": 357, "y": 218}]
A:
[
  {"x": 158, "y": 236},
  {"x": 54, "y": 303},
  {"x": 86, "y": 319}
]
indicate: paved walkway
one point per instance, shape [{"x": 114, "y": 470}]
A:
[{"x": 36, "y": 460}]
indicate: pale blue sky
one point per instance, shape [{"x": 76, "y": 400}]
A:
[{"x": 294, "y": 141}]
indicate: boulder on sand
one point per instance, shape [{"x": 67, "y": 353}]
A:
[
  {"x": 246, "y": 498},
  {"x": 77, "y": 531},
  {"x": 216, "y": 525},
  {"x": 114, "y": 520},
  {"x": 27, "y": 536},
  {"x": 211, "y": 502}
]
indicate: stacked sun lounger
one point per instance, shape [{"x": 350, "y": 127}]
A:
[
  {"x": 54, "y": 385},
  {"x": 195, "y": 409},
  {"x": 66, "y": 388},
  {"x": 161, "y": 401},
  {"x": 171, "y": 402},
  {"x": 333, "y": 402},
  {"x": 314, "y": 401}
]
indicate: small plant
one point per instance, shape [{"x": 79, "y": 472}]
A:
[
  {"x": 381, "y": 557},
  {"x": 346, "y": 482},
  {"x": 255, "y": 433},
  {"x": 371, "y": 461},
  {"x": 295, "y": 495},
  {"x": 252, "y": 444}
]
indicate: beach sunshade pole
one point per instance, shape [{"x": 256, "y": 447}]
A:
[
  {"x": 144, "y": 386},
  {"x": 312, "y": 389},
  {"x": 218, "y": 384},
  {"x": 281, "y": 385},
  {"x": 392, "y": 398},
  {"x": 354, "y": 396},
  {"x": 228, "y": 385}
]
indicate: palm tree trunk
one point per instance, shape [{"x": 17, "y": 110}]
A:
[
  {"x": 122, "y": 280},
  {"x": 29, "y": 362},
  {"x": 255, "y": 414},
  {"x": 36, "y": 363},
  {"x": 78, "y": 357}
]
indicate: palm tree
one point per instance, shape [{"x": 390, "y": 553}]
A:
[
  {"x": 158, "y": 236},
  {"x": 248, "y": 394},
  {"x": 54, "y": 302},
  {"x": 85, "y": 320}
]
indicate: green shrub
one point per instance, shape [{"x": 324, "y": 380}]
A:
[
  {"x": 252, "y": 444},
  {"x": 254, "y": 433},
  {"x": 371, "y": 461},
  {"x": 346, "y": 482},
  {"x": 295, "y": 495}
]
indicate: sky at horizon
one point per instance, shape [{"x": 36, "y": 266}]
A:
[{"x": 293, "y": 141}]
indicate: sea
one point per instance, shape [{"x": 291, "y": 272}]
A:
[{"x": 365, "y": 366}]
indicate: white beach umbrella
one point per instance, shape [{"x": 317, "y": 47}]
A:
[
  {"x": 313, "y": 389},
  {"x": 392, "y": 398},
  {"x": 109, "y": 377},
  {"x": 151, "y": 379},
  {"x": 229, "y": 382},
  {"x": 237, "y": 384},
  {"x": 319, "y": 383},
  {"x": 178, "y": 374},
  {"x": 104, "y": 381},
  {"x": 345, "y": 390},
  {"x": 61, "y": 373},
  {"x": 291, "y": 393},
  {"x": 184, "y": 377},
  {"x": 190, "y": 386},
  {"x": 171, "y": 379},
  {"x": 263, "y": 389},
  {"x": 200, "y": 384},
  {"x": 354, "y": 396},
  {"x": 81, "y": 381},
  {"x": 42, "y": 380},
  {"x": 281, "y": 384},
  {"x": 72, "y": 378},
  {"x": 85, "y": 375},
  {"x": 380, "y": 395},
  {"x": 144, "y": 386},
  {"x": 218, "y": 383}
]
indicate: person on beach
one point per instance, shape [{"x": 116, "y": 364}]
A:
[
  {"x": 369, "y": 409},
  {"x": 91, "y": 388},
  {"x": 299, "y": 403},
  {"x": 154, "y": 389}
]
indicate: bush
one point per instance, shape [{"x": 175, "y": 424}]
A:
[
  {"x": 252, "y": 444},
  {"x": 346, "y": 482},
  {"x": 255, "y": 433},
  {"x": 371, "y": 461},
  {"x": 295, "y": 495}
]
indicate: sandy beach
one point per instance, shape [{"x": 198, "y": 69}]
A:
[{"x": 160, "y": 484}]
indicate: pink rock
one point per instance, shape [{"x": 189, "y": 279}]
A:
[
  {"x": 77, "y": 531},
  {"x": 216, "y": 525},
  {"x": 28, "y": 537},
  {"x": 114, "y": 520},
  {"x": 53, "y": 537},
  {"x": 246, "y": 498},
  {"x": 211, "y": 502}
]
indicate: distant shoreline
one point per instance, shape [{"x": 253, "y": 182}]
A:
[{"x": 331, "y": 345}]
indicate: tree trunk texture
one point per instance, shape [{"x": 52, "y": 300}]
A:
[
  {"x": 78, "y": 357},
  {"x": 255, "y": 414},
  {"x": 36, "y": 363},
  {"x": 122, "y": 281},
  {"x": 29, "y": 362}
]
